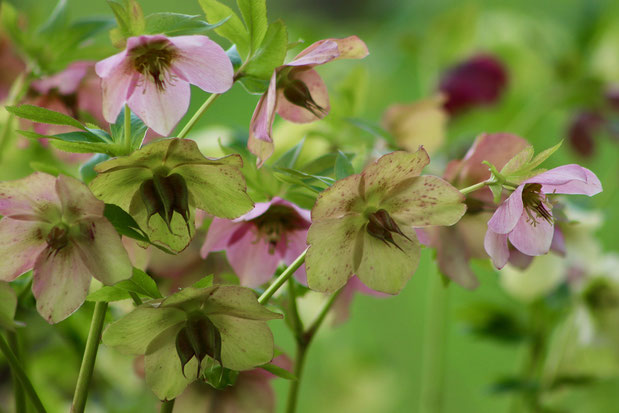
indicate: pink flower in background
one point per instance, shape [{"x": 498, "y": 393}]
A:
[
  {"x": 478, "y": 81},
  {"x": 256, "y": 243},
  {"x": 297, "y": 93},
  {"x": 152, "y": 75},
  {"x": 11, "y": 66},
  {"x": 525, "y": 218},
  {"x": 341, "y": 307},
  {"x": 56, "y": 227}
]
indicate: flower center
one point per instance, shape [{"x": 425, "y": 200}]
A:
[
  {"x": 275, "y": 222},
  {"x": 58, "y": 237},
  {"x": 382, "y": 226},
  {"x": 536, "y": 204},
  {"x": 153, "y": 60},
  {"x": 297, "y": 93},
  {"x": 164, "y": 195}
]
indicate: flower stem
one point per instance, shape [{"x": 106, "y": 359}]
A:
[
  {"x": 293, "y": 391},
  {"x": 279, "y": 281},
  {"x": 435, "y": 337},
  {"x": 136, "y": 299},
  {"x": 18, "y": 371},
  {"x": 167, "y": 406},
  {"x": 475, "y": 187},
  {"x": 90, "y": 355},
  {"x": 127, "y": 140},
  {"x": 196, "y": 116},
  {"x": 18, "y": 390}
]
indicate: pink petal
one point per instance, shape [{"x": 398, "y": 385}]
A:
[
  {"x": 118, "y": 81},
  {"x": 218, "y": 235},
  {"x": 66, "y": 82},
  {"x": 251, "y": 260},
  {"x": 160, "y": 110},
  {"x": 318, "y": 53},
  {"x": 318, "y": 91},
  {"x": 203, "y": 63},
  {"x": 31, "y": 197},
  {"x": 496, "y": 247},
  {"x": 20, "y": 244},
  {"x": 60, "y": 283},
  {"x": 558, "y": 242},
  {"x": 296, "y": 243},
  {"x": 508, "y": 213},
  {"x": 77, "y": 200},
  {"x": 532, "y": 239},
  {"x": 568, "y": 179},
  {"x": 304, "y": 214},
  {"x": 259, "y": 209}
]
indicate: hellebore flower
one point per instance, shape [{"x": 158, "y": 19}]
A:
[
  {"x": 525, "y": 218},
  {"x": 255, "y": 244},
  {"x": 478, "y": 81},
  {"x": 163, "y": 183},
  {"x": 296, "y": 91},
  {"x": 56, "y": 227},
  {"x": 582, "y": 131},
  {"x": 152, "y": 75},
  {"x": 364, "y": 223},
  {"x": 11, "y": 66},
  {"x": 222, "y": 324}
]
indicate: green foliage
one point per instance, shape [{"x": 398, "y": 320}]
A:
[
  {"x": 278, "y": 371},
  {"x": 140, "y": 283},
  {"x": 8, "y": 304},
  {"x": 176, "y": 24},
  {"x": 42, "y": 115},
  {"x": 343, "y": 167},
  {"x": 129, "y": 18},
  {"x": 124, "y": 223},
  {"x": 232, "y": 29}
]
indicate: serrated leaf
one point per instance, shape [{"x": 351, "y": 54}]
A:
[
  {"x": 517, "y": 162},
  {"x": 86, "y": 147},
  {"x": 289, "y": 158},
  {"x": 543, "y": 155},
  {"x": 233, "y": 29},
  {"x": 255, "y": 16},
  {"x": 271, "y": 52},
  {"x": 8, "y": 305},
  {"x": 140, "y": 283},
  {"x": 42, "y": 115},
  {"x": 124, "y": 223},
  {"x": 278, "y": 371},
  {"x": 176, "y": 24},
  {"x": 343, "y": 167},
  {"x": 205, "y": 282}
]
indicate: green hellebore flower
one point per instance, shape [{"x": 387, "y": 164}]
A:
[
  {"x": 163, "y": 183},
  {"x": 364, "y": 223},
  {"x": 223, "y": 323}
]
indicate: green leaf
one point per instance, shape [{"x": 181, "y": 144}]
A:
[
  {"x": 343, "y": 167},
  {"x": 122, "y": 19},
  {"x": 124, "y": 223},
  {"x": 254, "y": 85},
  {"x": 87, "y": 170},
  {"x": 270, "y": 54},
  {"x": 204, "y": 282},
  {"x": 85, "y": 29},
  {"x": 44, "y": 167},
  {"x": 303, "y": 175},
  {"x": 56, "y": 21},
  {"x": 517, "y": 162},
  {"x": 87, "y": 147},
  {"x": 138, "y": 130},
  {"x": 373, "y": 130},
  {"x": 42, "y": 115},
  {"x": 176, "y": 24},
  {"x": 278, "y": 371},
  {"x": 233, "y": 29},
  {"x": 288, "y": 159},
  {"x": 255, "y": 16},
  {"x": 543, "y": 155},
  {"x": 8, "y": 304},
  {"x": 140, "y": 283},
  {"x": 108, "y": 294}
]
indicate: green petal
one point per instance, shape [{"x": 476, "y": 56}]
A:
[
  {"x": 334, "y": 252},
  {"x": 340, "y": 199},
  {"x": 219, "y": 190},
  {"x": 424, "y": 201},
  {"x": 245, "y": 343},
  {"x": 185, "y": 151},
  {"x": 389, "y": 172},
  {"x": 240, "y": 302},
  {"x": 162, "y": 366},
  {"x": 118, "y": 187},
  {"x": 133, "y": 333},
  {"x": 386, "y": 268}
]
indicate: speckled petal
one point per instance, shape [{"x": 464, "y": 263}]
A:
[
  {"x": 77, "y": 201},
  {"x": 32, "y": 197},
  {"x": 21, "y": 242}
]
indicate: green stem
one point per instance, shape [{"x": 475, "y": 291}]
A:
[
  {"x": 322, "y": 315},
  {"x": 167, "y": 406},
  {"x": 136, "y": 299},
  {"x": 475, "y": 187},
  {"x": 297, "y": 324},
  {"x": 90, "y": 355},
  {"x": 279, "y": 281},
  {"x": 17, "y": 369},
  {"x": 435, "y": 338},
  {"x": 18, "y": 390},
  {"x": 196, "y": 116},
  {"x": 127, "y": 140},
  {"x": 293, "y": 391}
]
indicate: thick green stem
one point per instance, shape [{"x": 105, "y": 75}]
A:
[
  {"x": 18, "y": 390},
  {"x": 435, "y": 338},
  {"x": 127, "y": 138},
  {"x": 90, "y": 355},
  {"x": 196, "y": 116},
  {"x": 283, "y": 277},
  {"x": 293, "y": 391},
  {"x": 17, "y": 369},
  {"x": 136, "y": 299},
  {"x": 475, "y": 187},
  {"x": 167, "y": 406}
]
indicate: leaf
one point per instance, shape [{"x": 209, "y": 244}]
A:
[
  {"x": 42, "y": 115},
  {"x": 204, "y": 282},
  {"x": 87, "y": 170},
  {"x": 124, "y": 223},
  {"x": 56, "y": 21},
  {"x": 324, "y": 179},
  {"x": 122, "y": 19},
  {"x": 87, "y": 147},
  {"x": 44, "y": 167},
  {"x": 8, "y": 305},
  {"x": 283, "y": 177},
  {"x": 255, "y": 16},
  {"x": 138, "y": 130},
  {"x": 514, "y": 385},
  {"x": 373, "y": 130},
  {"x": 288, "y": 159},
  {"x": 270, "y": 54},
  {"x": 140, "y": 283},
  {"x": 343, "y": 167},
  {"x": 254, "y": 85},
  {"x": 278, "y": 371},
  {"x": 177, "y": 24},
  {"x": 543, "y": 155},
  {"x": 108, "y": 294},
  {"x": 517, "y": 162},
  {"x": 85, "y": 29},
  {"x": 233, "y": 28}
]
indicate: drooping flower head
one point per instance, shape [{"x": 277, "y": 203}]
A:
[
  {"x": 364, "y": 223},
  {"x": 525, "y": 218},
  {"x": 478, "y": 81},
  {"x": 152, "y": 75},
  {"x": 297, "y": 93},
  {"x": 182, "y": 334},
  {"x": 163, "y": 183},
  {"x": 56, "y": 227},
  {"x": 256, "y": 243}
]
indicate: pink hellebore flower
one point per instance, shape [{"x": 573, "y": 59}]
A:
[
  {"x": 525, "y": 218},
  {"x": 56, "y": 227},
  {"x": 152, "y": 75},
  {"x": 273, "y": 232},
  {"x": 296, "y": 91}
]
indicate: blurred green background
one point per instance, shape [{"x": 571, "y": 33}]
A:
[{"x": 560, "y": 55}]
